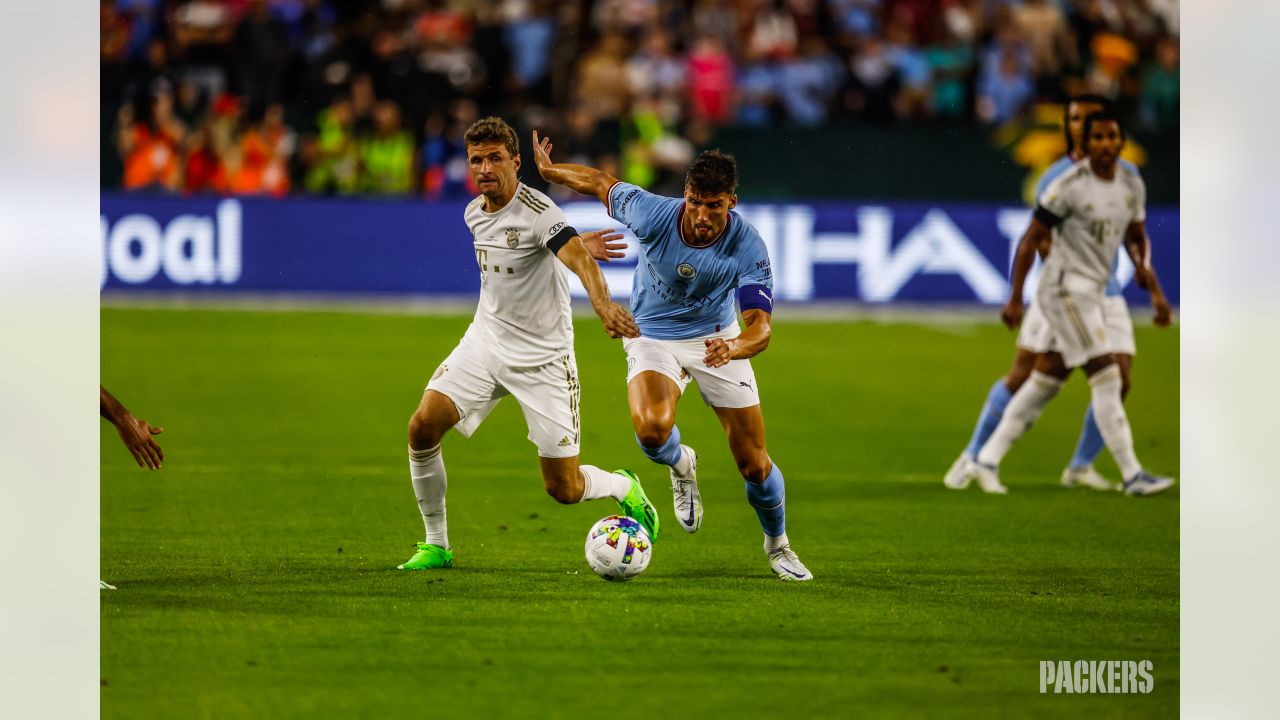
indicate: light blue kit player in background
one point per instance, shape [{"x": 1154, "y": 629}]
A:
[
  {"x": 696, "y": 257},
  {"x": 1079, "y": 471}
]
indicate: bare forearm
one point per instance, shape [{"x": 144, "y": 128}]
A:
[
  {"x": 110, "y": 408},
  {"x": 580, "y": 178},
  {"x": 755, "y": 337},
  {"x": 1023, "y": 260},
  {"x": 592, "y": 280}
]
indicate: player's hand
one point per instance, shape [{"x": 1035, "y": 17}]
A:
[
  {"x": 137, "y": 436},
  {"x": 719, "y": 352},
  {"x": 617, "y": 321},
  {"x": 602, "y": 244},
  {"x": 1011, "y": 313},
  {"x": 541, "y": 153},
  {"x": 1164, "y": 314}
]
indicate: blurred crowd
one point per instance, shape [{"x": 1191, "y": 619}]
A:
[{"x": 371, "y": 97}]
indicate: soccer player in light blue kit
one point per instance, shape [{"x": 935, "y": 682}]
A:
[
  {"x": 1032, "y": 337},
  {"x": 696, "y": 257}
]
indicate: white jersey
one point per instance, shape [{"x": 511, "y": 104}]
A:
[
  {"x": 523, "y": 316},
  {"x": 1091, "y": 216}
]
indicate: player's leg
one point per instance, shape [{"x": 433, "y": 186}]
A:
[
  {"x": 459, "y": 396},
  {"x": 655, "y": 382},
  {"x": 1080, "y": 471},
  {"x": 765, "y": 486},
  {"x": 1024, "y": 409},
  {"x": 1119, "y": 325},
  {"x": 549, "y": 397},
  {"x": 1106, "y": 386},
  {"x": 959, "y": 475},
  {"x": 435, "y": 415}
]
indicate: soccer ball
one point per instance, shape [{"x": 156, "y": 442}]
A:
[{"x": 618, "y": 548}]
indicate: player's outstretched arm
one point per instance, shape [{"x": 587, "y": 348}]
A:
[
  {"x": 134, "y": 432},
  {"x": 1036, "y": 238},
  {"x": 753, "y": 340},
  {"x": 579, "y": 178},
  {"x": 1138, "y": 245},
  {"x": 615, "y": 318}
]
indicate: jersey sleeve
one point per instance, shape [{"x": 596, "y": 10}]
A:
[
  {"x": 635, "y": 207},
  {"x": 755, "y": 275},
  {"x": 553, "y": 229},
  {"x": 1054, "y": 204}
]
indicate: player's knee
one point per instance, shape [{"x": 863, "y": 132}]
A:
[
  {"x": 754, "y": 468},
  {"x": 653, "y": 432},
  {"x": 422, "y": 432}
]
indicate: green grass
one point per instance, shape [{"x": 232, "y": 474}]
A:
[{"x": 256, "y": 570}]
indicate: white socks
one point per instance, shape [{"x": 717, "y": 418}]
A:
[
  {"x": 426, "y": 469},
  {"x": 1113, "y": 423},
  {"x": 597, "y": 483},
  {"x": 1023, "y": 410},
  {"x": 685, "y": 464},
  {"x": 774, "y": 544}
]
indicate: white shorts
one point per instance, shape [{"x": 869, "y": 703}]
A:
[
  {"x": 1077, "y": 328},
  {"x": 1034, "y": 334},
  {"x": 475, "y": 381},
  {"x": 730, "y": 386}
]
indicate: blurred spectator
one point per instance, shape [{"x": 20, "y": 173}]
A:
[
  {"x": 1044, "y": 26},
  {"x": 530, "y": 31},
  {"x": 951, "y": 61},
  {"x": 808, "y": 83},
  {"x": 913, "y": 70},
  {"x": 773, "y": 33},
  {"x": 330, "y": 157},
  {"x": 758, "y": 91},
  {"x": 1004, "y": 90},
  {"x": 443, "y": 153},
  {"x": 386, "y": 155},
  {"x": 873, "y": 82},
  {"x": 859, "y": 18},
  {"x": 202, "y": 169},
  {"x": 260, "y": 46},
  {"x": 602, "y": 78},
  {"x": 655, "y": 69},
  {"x": 149, "y": 139},
  {"x": 201, "y": 30},
  {"x": 1160, "y": 87},
  {"x": 711, "y": 81}
]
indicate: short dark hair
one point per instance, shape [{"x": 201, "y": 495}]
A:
[
  {"x": 1108, "y": 115},
  {"x": 1081, "y": 99},
  {"x": 489, "y": 130},
  {"x": 712, "y": 173}
]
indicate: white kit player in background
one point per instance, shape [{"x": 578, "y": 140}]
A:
[
  {"x": 520, "y": 344},
  {"x": 1095, "y": 206}
]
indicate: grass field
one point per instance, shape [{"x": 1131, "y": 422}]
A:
[{"x": 257, "y": 569}]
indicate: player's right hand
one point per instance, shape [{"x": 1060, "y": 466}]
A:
[
  {"x": 1012, "y": 312},
  {"x": 617, "y": 321},
  {"x": 136, "y": 434},
  {"x": 601, "y": 244},
  {"x": 541, "y": 153},
  {"x": 1164, "y": 313}
]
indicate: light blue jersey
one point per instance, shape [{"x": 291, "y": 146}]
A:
[
  {"x": 680, "y": 291},
  {"x": 1063, "y": 164}
]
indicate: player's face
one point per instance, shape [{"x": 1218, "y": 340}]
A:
[
  {"x": 1076, "y": 113},
  {"x": 706, "y": 215},
  {"x": 493, "y": 169},
  {"x": 1104, "y": 143}
]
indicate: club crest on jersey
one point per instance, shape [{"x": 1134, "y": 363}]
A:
[
  {"x": 513, "y": 238},
  {"x": 686, "y": 271}
]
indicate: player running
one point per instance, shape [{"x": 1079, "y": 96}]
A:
[
  {"x": 1095, "y": 206},
  {"x": 695, "y": 253},
  {"x": 1032, "y": 338},
  {"x": 520, "y": 344}
]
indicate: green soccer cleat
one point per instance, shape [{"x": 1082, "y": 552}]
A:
[
  {"x": 428, "y": 557},
  {"x": 636, "y": 506}
]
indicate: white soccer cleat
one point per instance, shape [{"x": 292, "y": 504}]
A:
[
  {"x": 787, "y": 566},
  {"x": 960, "y": 474},
  {"x": 102, "y": 585},
  {"x": 1087, "y": 477},
  {"x": 1144, "y": 483},
  {"x": 684, "y": 492},
  {"x": 988, "y": 478}
]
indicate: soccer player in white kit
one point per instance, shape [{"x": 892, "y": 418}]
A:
[
  {"x": 520, "y": 344},
  {"x": 1095, "y": 206}
]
